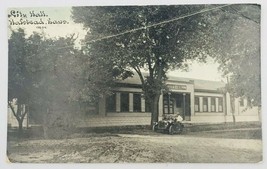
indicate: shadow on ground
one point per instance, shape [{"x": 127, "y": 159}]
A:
[{"x": 241, "y": 130}]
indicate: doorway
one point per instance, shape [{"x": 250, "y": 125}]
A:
[{"x": 174, "y": 103}]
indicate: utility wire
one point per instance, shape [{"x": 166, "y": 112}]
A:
[{"x": 152, "y": 25}]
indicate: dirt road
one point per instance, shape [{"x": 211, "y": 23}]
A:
[{"x": 121, "y": 148}]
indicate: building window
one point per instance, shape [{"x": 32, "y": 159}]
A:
[
  {"x": 111, "y": 103},
  {"x": 220, "y": 104},
  {"x": 213, "y": 104},
  {"x": 179, "y": 100},
  {"x": 205, "y": 104},
  {"x": 137, "y": 102},
  {"x": 124, "y": 102},
  {"x": 241, "y": 102},
  {"x": 197, "y": 104}
]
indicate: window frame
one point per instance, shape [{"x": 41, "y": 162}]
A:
[
  {"x": 124, "y": 102},
  {"x": 139, "y": 101},
  {"x": 211, "y": 100},
  {"x": 207, "y": 105},
  {"x": 198, "y": 103}
]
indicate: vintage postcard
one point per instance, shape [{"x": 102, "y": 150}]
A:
[{"x": 177, "y": 83}]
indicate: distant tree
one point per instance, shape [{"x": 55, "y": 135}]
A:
[
  {"x": 43, "y": 76},
  {"x": 55, "y": 70},
  {"x": 156, "y": 49},
  {"x": 19, "y": 79},
  {"x": 236, "y": 44}
]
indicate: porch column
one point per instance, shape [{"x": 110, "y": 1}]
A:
[
  {"x": 169, "y": 97},
  {"x": 161, "y": 105},
  {"x": 130, "y": 102},
  {"x": 118, "y": 102},
  {"x": 209, "y": 104},
  {"x": 217, "y": 104},
  {"x": 143, "y": 104},
  {"x": 228, "y": 104},
  {"x": 200, "y": 104},
  {"x": 192, "y": 103},
  {"x": 183, "y": 105}
]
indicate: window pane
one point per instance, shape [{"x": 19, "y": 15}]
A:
[
  {"x": 196, "y": 104},
  {"x": 213, "y": 104},
  {"x": 205, "y": 104},
  {"x": 125, "y": 102},
  {"x": 137, "y": 102},
  {"x": 111, "y": 103}
]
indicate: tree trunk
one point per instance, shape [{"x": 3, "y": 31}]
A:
[
  {"x": 233, "y": 108},
  {"x": 19, "y": 116},
  {"x": 20, "y": 131},
  {"x": 154, "y": 109},
  {"x": 45, "y": 123}
]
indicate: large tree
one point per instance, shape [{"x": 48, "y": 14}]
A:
[
  {"x": 236, "y": 38},
  {"x": 19, "y": 78},
  {"x": 152, "y": 38},
  {"x": 44, "y": 76},
  {"x": 55, "y": 70}
]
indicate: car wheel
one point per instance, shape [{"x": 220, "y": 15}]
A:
[
  {"x": 155, "y": 128},
  {"x": 171, "y": 130},
  {"x": 179, "y": 128}
]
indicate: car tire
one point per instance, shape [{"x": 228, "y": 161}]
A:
[
  {"x": 171, "y": 130},
  {"x": 155, "y": 128}
]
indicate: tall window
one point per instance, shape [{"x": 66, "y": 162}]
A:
[
  {"x": 137, "y": 102},
  {"x": 213, "y": 104},
  {"x": 205, "y": 104},
  {"x": 111, "y": 103},
  {"x": 124, "y": 102},
  {"x": 197, "y": 104},
  {"x": 220, "y": 100}
]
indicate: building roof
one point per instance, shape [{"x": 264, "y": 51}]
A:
[{"x": 198, "y": 83}]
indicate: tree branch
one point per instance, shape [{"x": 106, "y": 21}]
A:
[
  {"x": 24, "y": 113},
  {"x": 236, "y": 12},
  {"x": 12, "y": 109},
  {"x": 138, "y": 71}
]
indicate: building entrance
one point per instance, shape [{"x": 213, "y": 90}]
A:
[{"x": 174, "y": 103}]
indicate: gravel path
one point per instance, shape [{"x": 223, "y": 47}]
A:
[{"x": 136, "y": 149}]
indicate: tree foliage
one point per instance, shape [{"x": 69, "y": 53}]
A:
[
  {"x": 43, "y": 76},
  {"x": 19, "y": 79},
  {"x": 236, "y": 38},
  {"x": 156, "y": 48}
]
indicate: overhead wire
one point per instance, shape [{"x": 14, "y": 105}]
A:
[{"x": 151, "y": 25}]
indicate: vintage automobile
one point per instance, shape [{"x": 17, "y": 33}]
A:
[{"x": 170, "y": 123}]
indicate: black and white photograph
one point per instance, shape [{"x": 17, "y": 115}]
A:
[{"x": 168, "y": 83}]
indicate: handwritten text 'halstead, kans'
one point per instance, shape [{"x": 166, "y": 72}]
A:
[{"x": 17, "y": 17}]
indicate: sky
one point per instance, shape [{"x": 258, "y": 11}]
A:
[
  {"x": 207, "y": 71},
  {"x": 52, "y": 14},
  {"x": 204, "y": 71}
]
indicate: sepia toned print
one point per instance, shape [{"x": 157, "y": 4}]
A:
[{"x": 134, "y": 84}]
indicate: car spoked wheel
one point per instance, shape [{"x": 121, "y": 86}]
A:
[
  {"x": 171, "y": 130},
  {"x": 155, "y": 128}
]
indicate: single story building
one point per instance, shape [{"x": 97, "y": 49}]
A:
[{"x": 198, "y": 101}]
